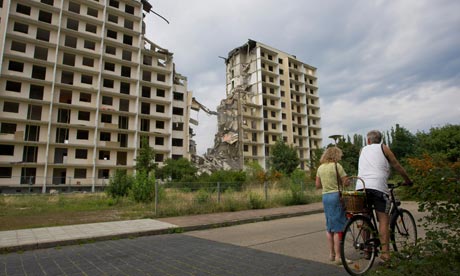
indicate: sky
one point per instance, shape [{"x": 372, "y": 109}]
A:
[{"x": 379, "y": 63}]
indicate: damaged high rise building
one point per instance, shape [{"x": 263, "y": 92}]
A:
[
  {"x": 80, "y": 86},
  {"x": 270, "y": 95}
]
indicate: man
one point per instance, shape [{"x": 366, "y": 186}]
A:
[{"x": 374, "y": 168}]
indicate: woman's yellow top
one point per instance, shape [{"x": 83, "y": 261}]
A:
[{"x": 326, "y": 172}]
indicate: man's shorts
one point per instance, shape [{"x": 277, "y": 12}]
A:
[{"x": 378, "y": 200}]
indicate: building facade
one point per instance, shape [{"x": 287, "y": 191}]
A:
[
  {"x": 277, "y": 98},
  {"x": 80, "y": 86}
]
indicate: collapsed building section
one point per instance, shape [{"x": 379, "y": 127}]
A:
[
  {"x": 207, "y": 163},
  {"x": 270, "y": 95}
]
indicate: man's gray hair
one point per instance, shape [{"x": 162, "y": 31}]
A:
[{"x": 374, "y": 136}]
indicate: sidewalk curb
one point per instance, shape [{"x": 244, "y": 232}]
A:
[
  {"x": 246, "y": 221},
  {"x": 43, "y": 245},
  {"x": 172, "y": 230}
]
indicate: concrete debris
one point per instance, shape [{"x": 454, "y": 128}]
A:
[
  {"x": 197, "y": 106},
  {"x": 208, "y": 164},
  {"x": 214, "y": 160},
  {"x": 193, "y": 121},
  {"x": 230, "y": 138},
  {"x": 227, "y": 152}
]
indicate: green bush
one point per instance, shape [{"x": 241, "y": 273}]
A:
[
  {"x": 297, "y": 195},
  {"x": 227, "y": 179},
  {"x": 279, "y": 181},
  {"x": 233, "y": 179},
  {"x": 230, "y": 203},
  {"x": 143, "y": 187},
  {"x": 254, "y": 173},
  {"x": 111, "y": 202},
  {"x": 256, "y": 201},
  {"x": 203, "y": 196},
  {"x": 119, "y": 184},
  {"x": 283, "y": 157},
  {"x": 185, "y": 186},
  {"x": 437, "y": 187},
  {"x": 299, "y": 176},
  {"x": 178, "y": 170}
]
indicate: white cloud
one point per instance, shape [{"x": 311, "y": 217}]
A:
[
  {"x": 417, "y": 108},
  {"x": 379, "y": 62}
]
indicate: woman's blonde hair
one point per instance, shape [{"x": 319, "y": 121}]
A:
[{"x": 332, "y": 154}]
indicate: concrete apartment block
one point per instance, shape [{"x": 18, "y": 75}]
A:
[
  {"x": 276, "y": 97},
  {"x": 80, "y": 86}
]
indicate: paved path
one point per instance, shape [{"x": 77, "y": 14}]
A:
[
  {"x": 158, "y": 255},
  {"x": 151, "y": 254},
  {"x": 27, "y": 239}
]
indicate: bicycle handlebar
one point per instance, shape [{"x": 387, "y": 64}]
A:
[{"x": 394, "y": 186}]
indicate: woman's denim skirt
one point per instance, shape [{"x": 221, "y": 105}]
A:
[{"x": 335, "y": 215}]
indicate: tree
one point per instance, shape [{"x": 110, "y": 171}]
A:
[
  {"x": 435, "y": 170},
  {"x": 436, "y": 187},
  {"x": 228, "y": 178},
  {"x": 254, "y": 172},
  {"x": 442, "y": 142},
  {"x": 314, "y": 161},
  {"x": 350, "y": 155},
  {"x": 402, "y": 142},
  {"x": 358, "y": 140},
  {"x": 177, "y": 170},
  {"x": 284, "y": 158},
  {"x": 143, "y": 187},
  {"x": 145, "y": 160},
  {"x": 119, "y": 184}
]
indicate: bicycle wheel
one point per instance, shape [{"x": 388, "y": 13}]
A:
[
  {"x": 357, "y": 246},
  {"x": 403, "y": 230}
]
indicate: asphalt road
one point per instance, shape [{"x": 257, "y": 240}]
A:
[
  {"x": 299, "y": 237},
  {"x": 293, "y": 246},
  {"x": 176, "y": 254}
]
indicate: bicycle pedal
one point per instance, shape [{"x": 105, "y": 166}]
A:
[{"x": 373, "y": 242}]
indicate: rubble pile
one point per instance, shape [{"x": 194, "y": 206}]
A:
[
  {"x": 225, "y": 154},
  {"x": 208, "y": 163}
]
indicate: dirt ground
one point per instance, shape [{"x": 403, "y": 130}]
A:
[{"x": 60, "y": 218}]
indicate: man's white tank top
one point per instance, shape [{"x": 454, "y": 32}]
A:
[{"x": 373, "y": 168}]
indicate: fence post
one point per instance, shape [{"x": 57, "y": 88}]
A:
[
  {"x": 266, "y": 190},
  {"x": 156, "y": 197},
  {"x": 93, "y": 186},
  {"x": 218, "y": 192},
  {"x": 44, "y": 185}
]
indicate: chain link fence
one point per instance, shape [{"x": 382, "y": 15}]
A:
[
  {"x": 175, "y": 198},
  {"x": 40, "y": 184}
]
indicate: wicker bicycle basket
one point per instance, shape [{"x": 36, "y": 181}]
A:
[{"x": 354, "y": 201}]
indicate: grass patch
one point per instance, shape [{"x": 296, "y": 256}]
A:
[{"x": 39, "y": 210}]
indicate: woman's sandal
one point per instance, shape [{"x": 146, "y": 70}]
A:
[
  {"x": 339, "y": 261},
  {"x": 332, "y": 258}
]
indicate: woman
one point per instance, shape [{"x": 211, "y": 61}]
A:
[{"x": 326, "y": 179}]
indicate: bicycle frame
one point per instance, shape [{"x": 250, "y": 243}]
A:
[
  {"x": 395, "y": 210},
  {"x": 394, "y": 203},
  {"x": 361, "y": 238}
]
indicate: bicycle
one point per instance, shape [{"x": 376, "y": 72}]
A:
[{"x": 360, "y": 243}]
